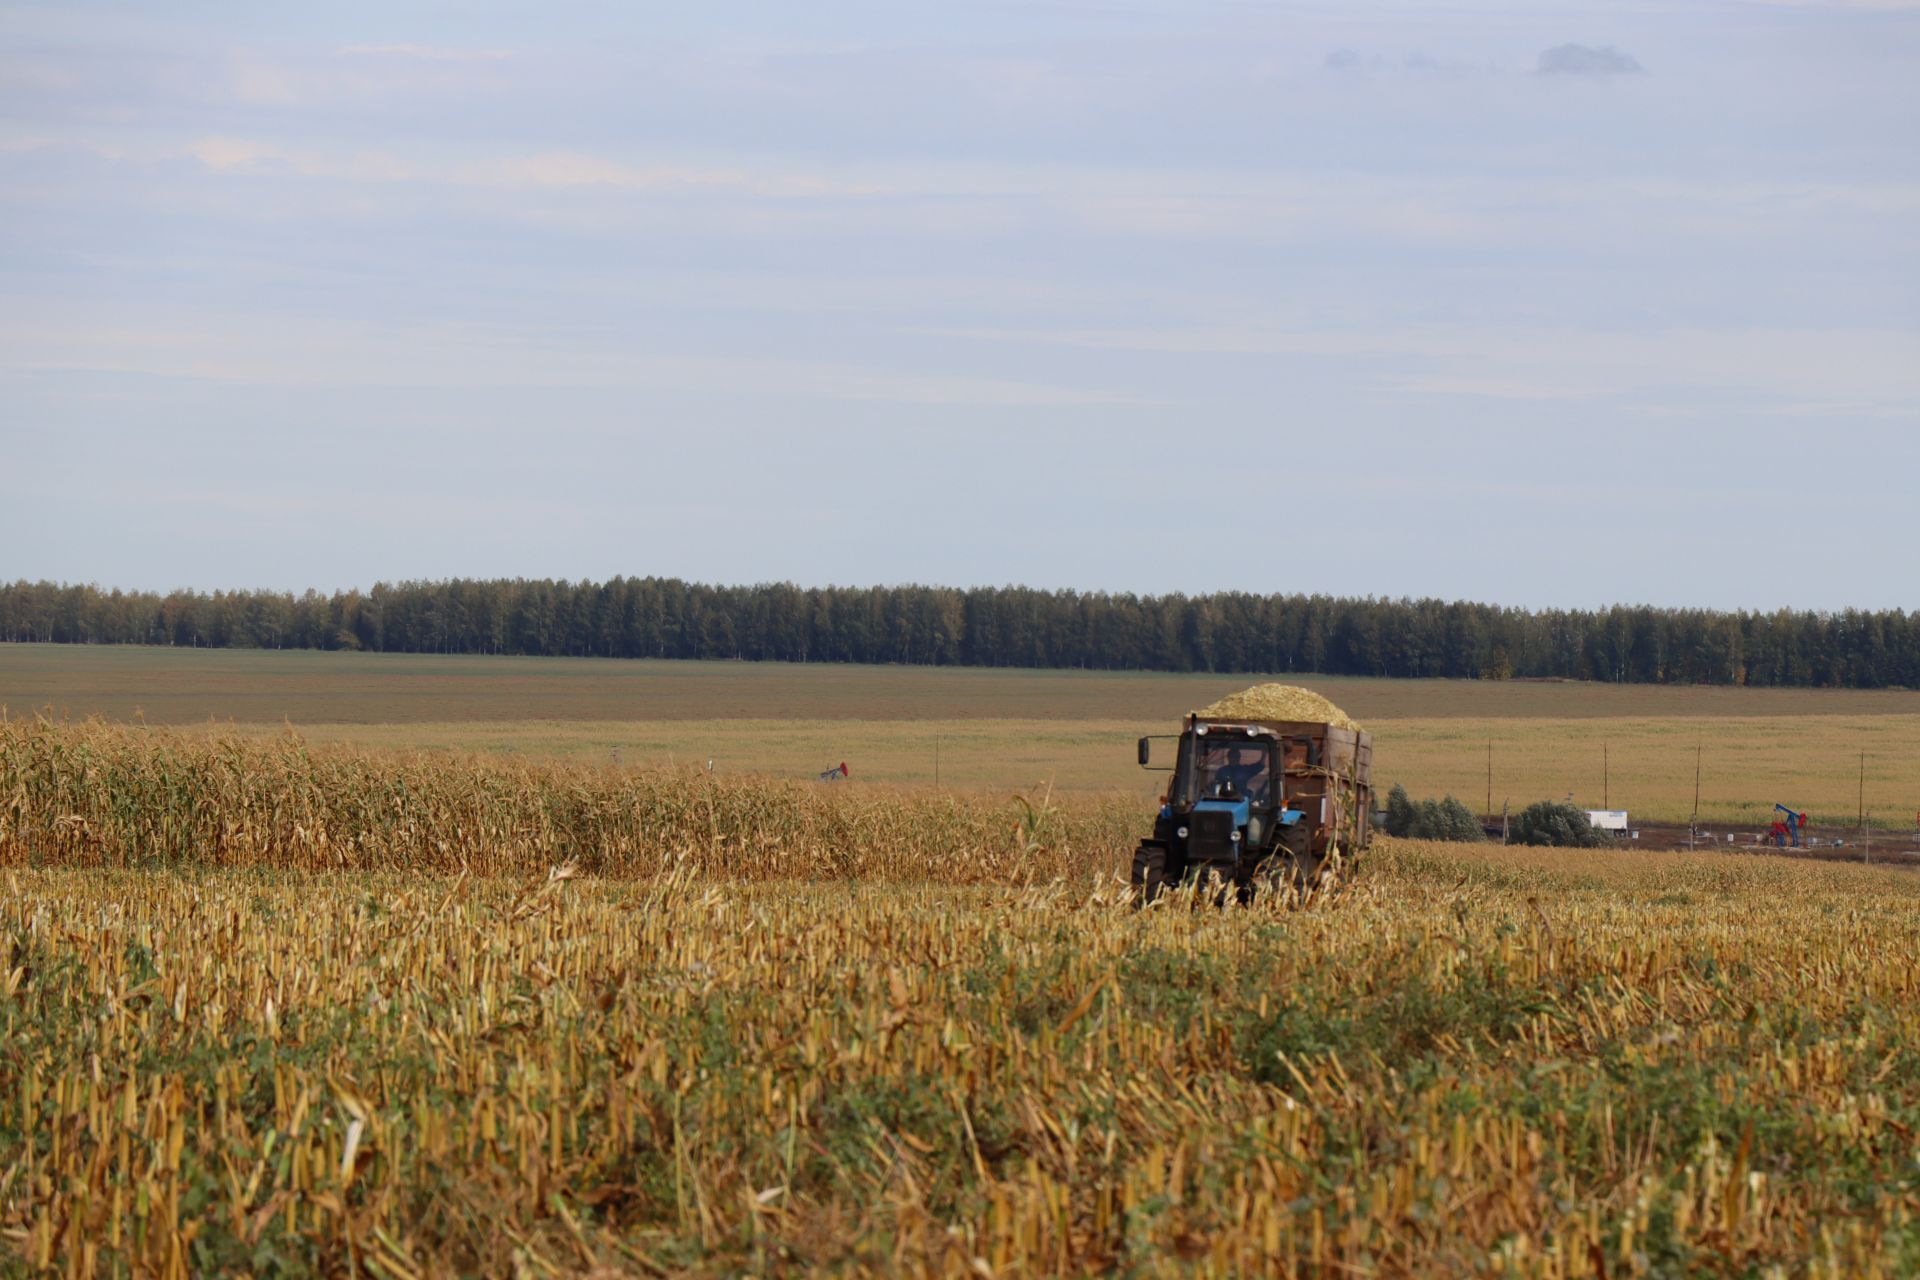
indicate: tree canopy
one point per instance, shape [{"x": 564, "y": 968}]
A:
[
  {"x": 1549, "y": 822},
  {"x": 999, "y": 627},
  {"x": 1446, "y": 819}
]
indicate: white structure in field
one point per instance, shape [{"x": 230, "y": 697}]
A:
[{"x": 1611, "y": 821}]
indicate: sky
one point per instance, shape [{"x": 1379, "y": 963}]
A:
[{"x": 1538, "y": 303}]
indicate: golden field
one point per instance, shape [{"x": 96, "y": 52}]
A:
[
  {"x": 272, "y": 1008},
  {"x": 1747, "y": 763},
  {"x": 1020, "y": 731}
]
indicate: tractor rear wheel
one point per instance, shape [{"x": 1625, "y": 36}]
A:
[
  {"x": 1149, "y": 876},
  {"x": 1302, "y": 864}
]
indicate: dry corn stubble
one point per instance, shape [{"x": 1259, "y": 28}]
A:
[{"x": 1476, "y": 1062}]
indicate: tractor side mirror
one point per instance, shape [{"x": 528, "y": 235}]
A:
[{"x": 1146, "y": 752}]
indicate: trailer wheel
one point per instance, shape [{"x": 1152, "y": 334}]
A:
[{"x": 1149, "y": 876}]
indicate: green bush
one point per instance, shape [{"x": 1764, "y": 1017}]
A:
[
  {"x": 1446, "y": 819},
  {"x": 1400, "y": 811},
  {"x": 1548, "y": 822}
]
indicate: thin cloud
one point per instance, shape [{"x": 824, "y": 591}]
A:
[
  {"x": 554, "y": 169},
  {"x": 1588, "y": 60},
  {"x": 227, "y": 154},
  {"x": 424, "y": 53},
  {"x": 246, "y": 156},
  {"x": 1352, "y": 60},
  {"x": 573, "y": 169},
  {"x": 192, "y": 346},
  {"x": 1850, "y": 371}
]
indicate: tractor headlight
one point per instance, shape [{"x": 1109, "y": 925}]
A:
[
  {"x": 1181, "y": 832},
  {"x": 1235, "y": 837}
]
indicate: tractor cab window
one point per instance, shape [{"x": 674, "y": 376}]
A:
[{"x": 1226, "y": 769}]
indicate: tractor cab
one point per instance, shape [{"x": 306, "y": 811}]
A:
[{"x": 1225, "y": 810}]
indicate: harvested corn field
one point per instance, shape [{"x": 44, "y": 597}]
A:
[
  {"x": 1075, "y": 730},
  {"x": 1277, "y": 702},
  {"x": 1490, "y": 1064},
  {"x": 102, "y": 796}
]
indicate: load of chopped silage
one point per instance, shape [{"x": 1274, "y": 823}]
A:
[{"x": 1277, "y": 702}]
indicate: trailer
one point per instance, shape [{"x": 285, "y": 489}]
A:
[{"x": 1255, "y": 802}]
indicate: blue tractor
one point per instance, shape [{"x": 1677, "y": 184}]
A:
[{"x": 1253, "y": 804}]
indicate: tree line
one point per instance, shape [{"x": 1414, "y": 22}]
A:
[{"x": 999, "y": 627}]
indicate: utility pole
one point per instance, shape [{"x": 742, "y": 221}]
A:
[
  {"x": 936, "y": 764},
  {"x": 1606, "y": 776},
  {"x": 1694, "y": 826},
  {"x": 1863, "y": 789},
  {"x": 1489, "y": 809}
]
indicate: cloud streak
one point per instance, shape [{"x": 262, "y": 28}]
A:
[
  {"x": 424, "y": 53},
  {"x": 1851, "y": 371},
  {"x": 1587, "y": 60},
  {"x": 313, "y": 354}
]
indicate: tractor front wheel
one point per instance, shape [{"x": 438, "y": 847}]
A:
[{"x": 1149, "y": 876}]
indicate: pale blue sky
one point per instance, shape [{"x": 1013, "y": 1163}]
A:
[{"x": 1532, "y": 302}]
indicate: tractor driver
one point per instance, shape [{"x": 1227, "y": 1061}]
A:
[{"x": 1245, "y": 771}]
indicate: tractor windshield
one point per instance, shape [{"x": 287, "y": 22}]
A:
[{"x": 1230, "y": 769}]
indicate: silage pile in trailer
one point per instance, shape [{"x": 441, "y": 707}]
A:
[{"x": 1277, "y": 702}]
